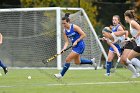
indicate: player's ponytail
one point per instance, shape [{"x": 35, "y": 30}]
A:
[
  {"x": 131, "y": 14},
  {"x": 138, "y": 21},
  {"x": 66, "y": 17},
  {"x": 134, "y": 16}
]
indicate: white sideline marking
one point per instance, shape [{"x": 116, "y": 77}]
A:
[
  {"x": 72, "y": 84},
  {"x": 97, "y": 83},
  {"x": 5, "y": 86}
]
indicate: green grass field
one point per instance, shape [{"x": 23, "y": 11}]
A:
[{"x": 75, "y": 81}]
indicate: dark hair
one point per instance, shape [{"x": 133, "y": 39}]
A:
[
  {"x": 66, "y": 17},
  {"x": 119, "y": 21},
  {"x": 131, "y": 14}
]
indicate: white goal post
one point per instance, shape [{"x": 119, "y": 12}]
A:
[{"x": 31, "y": 34}]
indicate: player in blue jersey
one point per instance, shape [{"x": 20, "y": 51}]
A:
[
  {"x": 116, "y": 27},
  {"x": 127, "y": 45},
  {"x": 76, "y": 36},
  {"x": 1, "y": 64}
]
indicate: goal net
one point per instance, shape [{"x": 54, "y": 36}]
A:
[{"x": 32, "y": 34}]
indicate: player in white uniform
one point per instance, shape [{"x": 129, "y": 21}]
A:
[
  {"x": 126, "y": 44},
  {"x": 135, "y": 32}
]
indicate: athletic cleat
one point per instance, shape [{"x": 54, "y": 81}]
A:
[
  {"x": 107, "y": 74},
  {"x": 135, "y": 75},
  {"x": 138, "y": 74},
  {"x": 137, "y": 69},
  {"x": 94, "y": 63},
  {"x": 5, "y": 70},
  {"x": 58, "y": 76}
]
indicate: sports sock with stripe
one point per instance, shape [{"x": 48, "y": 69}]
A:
[
  {"x": 2, "y": 65},
  {"x": 85, "y": 61},
  {"x": 108, "y": 67},
  {"x": 65, "y": 68},
  {"x": 130, "y": 66}
]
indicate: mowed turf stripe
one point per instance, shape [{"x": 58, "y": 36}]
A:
[{"x": 71, "y": 84}]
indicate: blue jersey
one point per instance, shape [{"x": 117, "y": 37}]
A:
[
  {"x": 114, "y": 29},
  {"x": 73, "y": 36}
]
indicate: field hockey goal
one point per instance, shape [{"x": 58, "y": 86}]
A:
[{"x": 32, "y": 34}]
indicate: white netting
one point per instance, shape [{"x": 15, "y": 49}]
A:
[
  {"x": 30, "y": 36},
  {"x": 92, "y": 47}
]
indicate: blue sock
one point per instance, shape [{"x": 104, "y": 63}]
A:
[
  {"x": 2, "y": 65},
  {"x": 65, "y": 68},
  {"x": 85, "y": 61},
  {"x": 109, "y": 65}
]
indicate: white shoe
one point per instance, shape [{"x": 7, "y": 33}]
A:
[
  {"x": 58, "y": 76},
  {"x": 135, "y": 75},
  {"x": 137, "y": 69},
  {"x": 94, "y": 63},
  {"x": 138, "y": 74},
  {"x": 107, "y": 74}
]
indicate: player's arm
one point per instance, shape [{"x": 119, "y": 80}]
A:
[
  {"x": 135, "y": 25},
  {"x": 103, "y": 39},
  {"x": 82, "y": 34},
  {"x": 66, "y": 41},
  {"x": 127, "y": 34},
  {"x": 120, "y": 31},
  {"x": 109, "y": 42},
  {"x": 1, "y": 37}
]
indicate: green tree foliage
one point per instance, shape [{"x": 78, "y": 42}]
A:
[
  {"x": 137, "y": 8},
  {"x": 85, "y": 4}
]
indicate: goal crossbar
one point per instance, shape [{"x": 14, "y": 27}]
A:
[{"x": 58, "y": 27}]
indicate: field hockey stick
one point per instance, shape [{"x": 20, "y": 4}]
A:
[
  {"x": 54, "y": 56},
  {"x": 116, "y": 65},
  {"x": 103, "y": 39},
  {"x": 130, "y": 39}
]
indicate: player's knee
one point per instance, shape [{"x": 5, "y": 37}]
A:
[
  {"x": 122, "y": 60},
  {"x": 68, "y": 60},
  {"x": 109, "y": 59}
]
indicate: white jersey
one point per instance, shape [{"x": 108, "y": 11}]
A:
[
  {"x": 120, "y": 41},
  {"x": 134, "y": 32}
]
